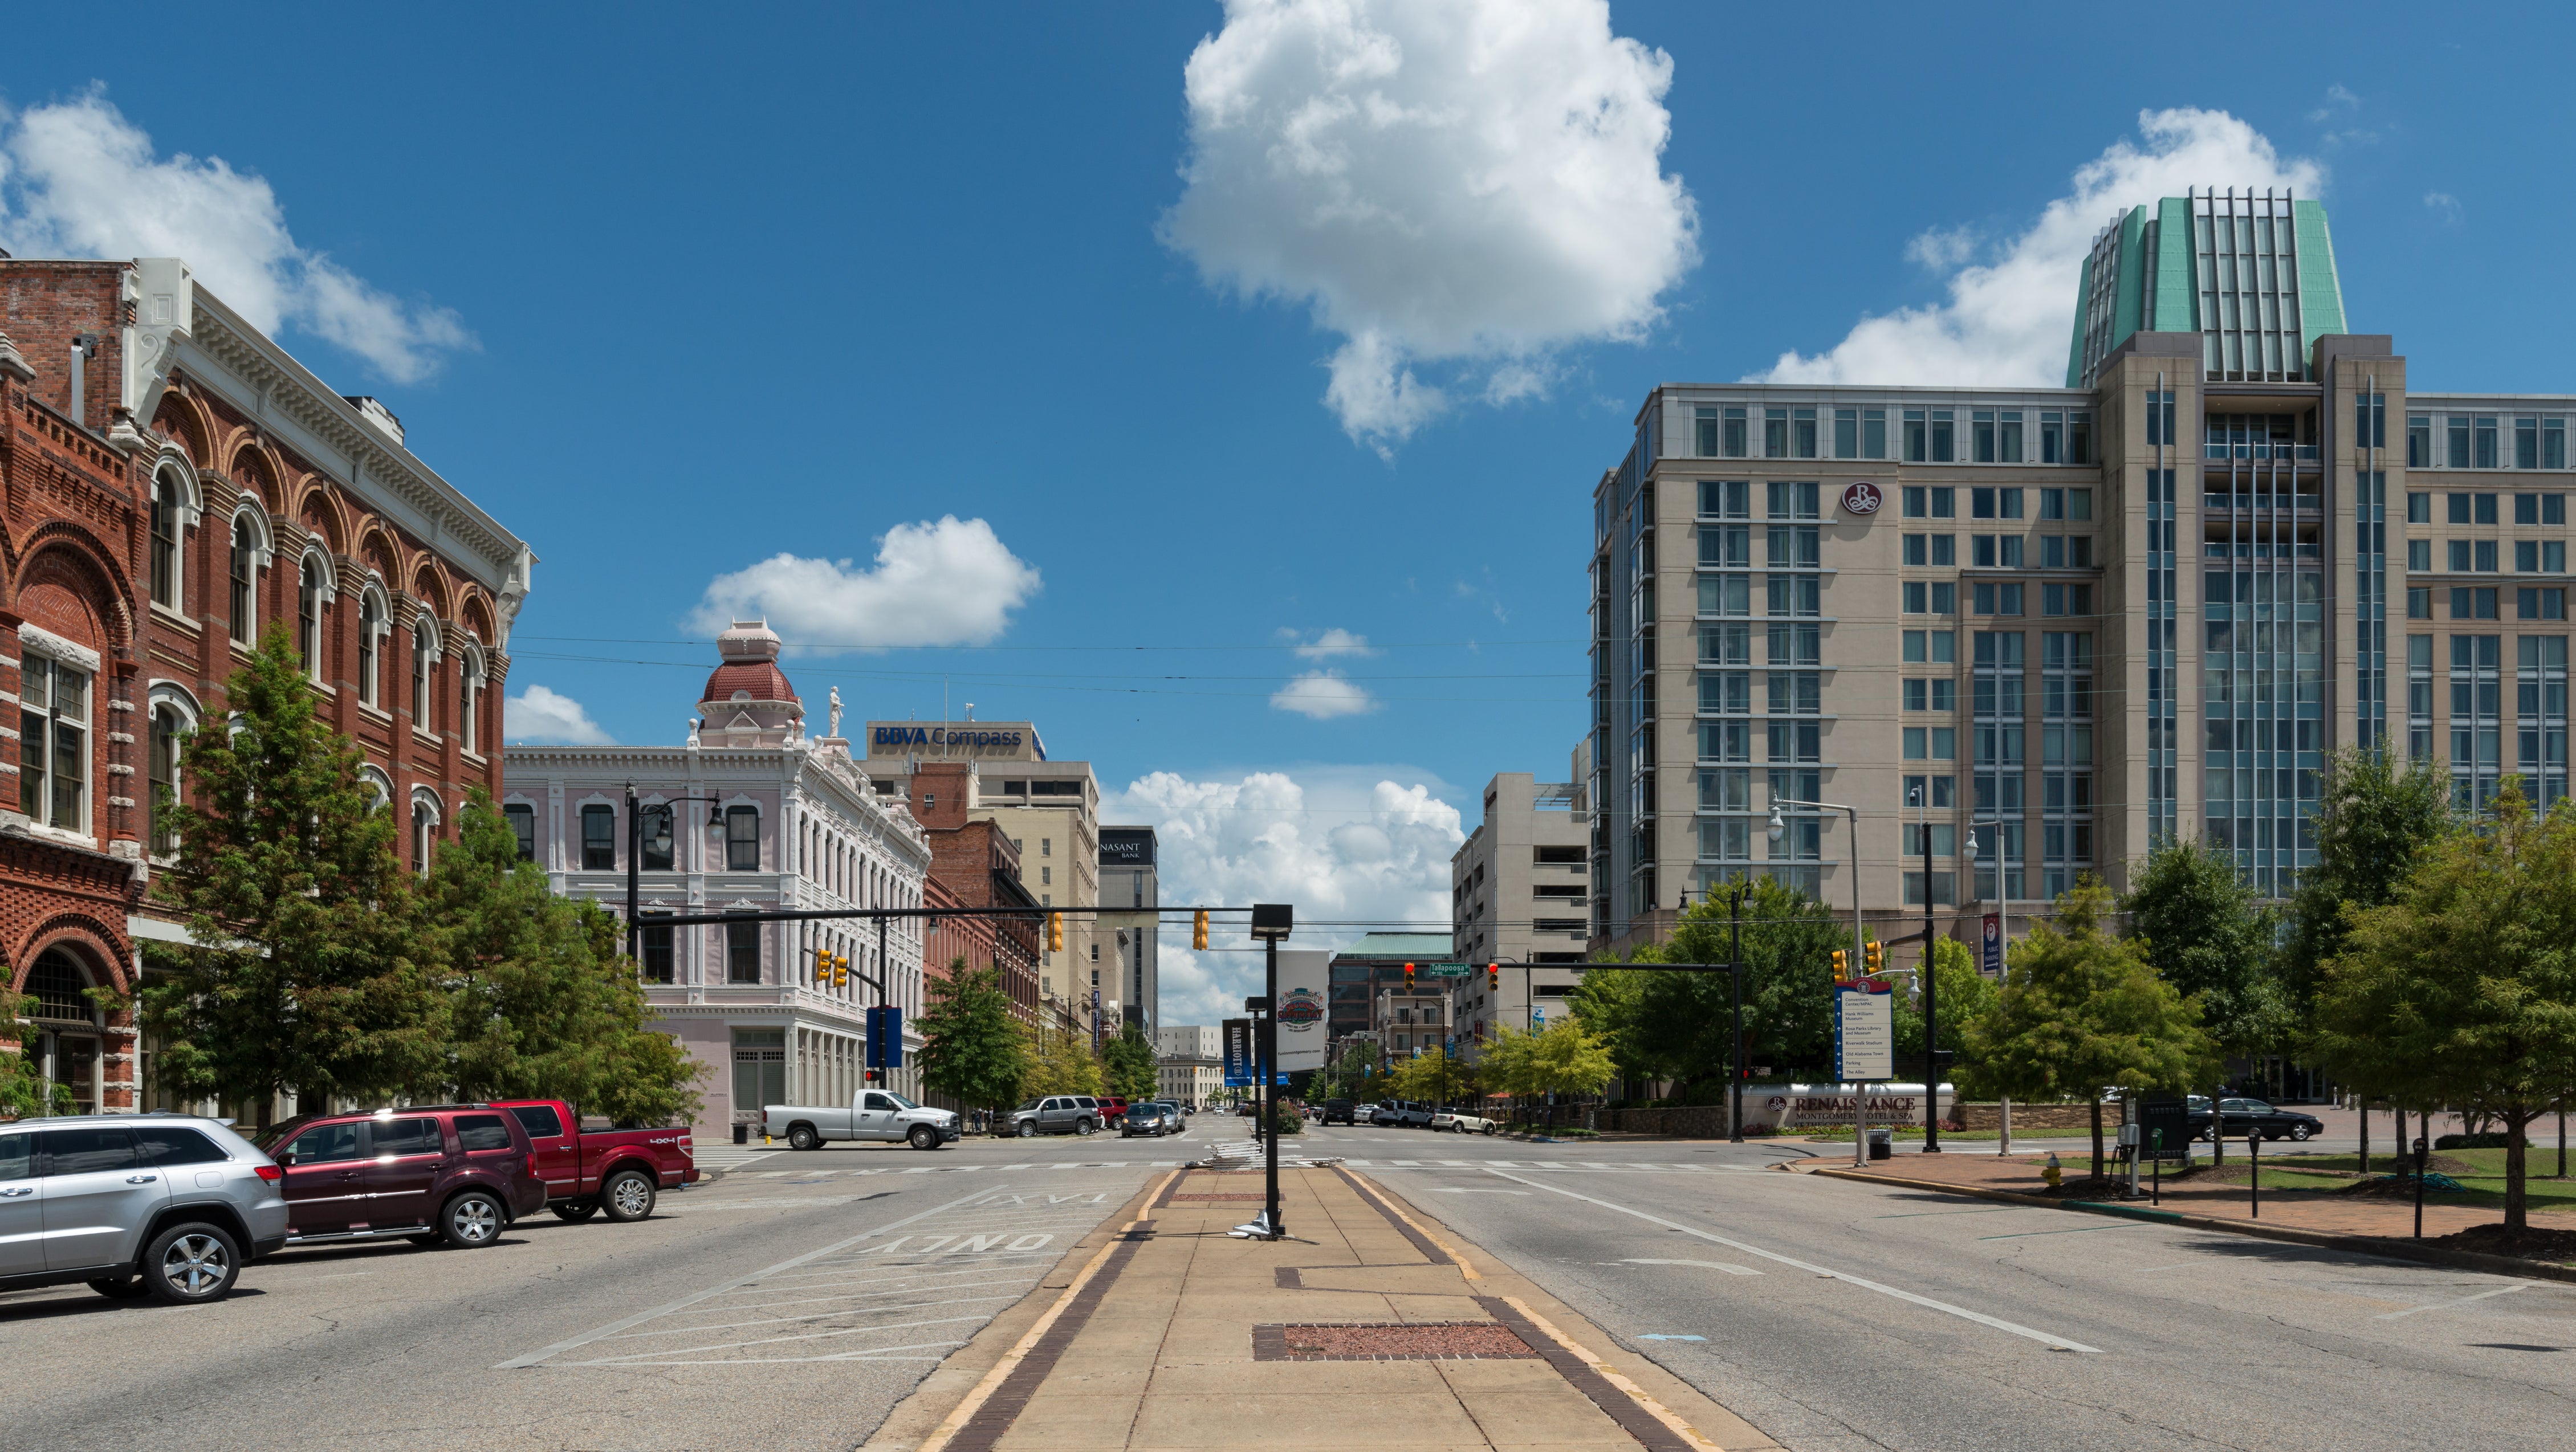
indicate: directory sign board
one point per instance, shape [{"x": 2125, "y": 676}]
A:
[{"x": 1864, "y": 1034}]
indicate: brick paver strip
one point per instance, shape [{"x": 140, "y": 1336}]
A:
[
  {"x": 1388, "y": 1341},
  {"x": 1186, "y": 1199},
  {"x": 1008, "y": 1400}
]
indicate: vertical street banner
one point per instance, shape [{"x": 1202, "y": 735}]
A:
[
  {"x": 1304, "y": 988},
  {"x": 1992, "y": 962},
  {"x": 1238, "y": 1052},
  {"x": 1864, "y": 1034}
]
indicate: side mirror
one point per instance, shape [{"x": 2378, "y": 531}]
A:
[{"x": 284, "y": 1158}]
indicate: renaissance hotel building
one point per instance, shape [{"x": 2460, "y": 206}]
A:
[{"x": 2068, "y": 622}]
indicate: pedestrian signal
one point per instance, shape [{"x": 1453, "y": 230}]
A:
[{"x": 1198, "y": 930}]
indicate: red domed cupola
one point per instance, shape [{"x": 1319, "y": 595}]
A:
[{"x": 748, "y": 701}]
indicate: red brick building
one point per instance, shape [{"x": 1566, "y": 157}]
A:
[
  {"x": 171, "y": 483},
  {"x": 974, "y": 864}
]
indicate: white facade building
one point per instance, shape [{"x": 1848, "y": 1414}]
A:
[{"x": 749, "y": 814}]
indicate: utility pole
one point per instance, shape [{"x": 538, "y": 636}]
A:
[
  {"x": 1270, "y": 923},
  {"x": 1931, "y": 980}
]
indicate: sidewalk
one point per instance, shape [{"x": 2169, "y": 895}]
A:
[
  {"x": 1370, "y": 1327},
  {"x": 2323, "y": 1212}
]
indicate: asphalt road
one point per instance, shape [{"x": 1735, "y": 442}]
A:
[
  {"x": 791, "y": 1304},
  {"x": 1837, "y": 1315}
]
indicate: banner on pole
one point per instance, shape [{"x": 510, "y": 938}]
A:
[
  {"x": 1305, "y": 978},
  {"x": 1238, "y": 1052},
  {"x": 1993, "y": 958}
]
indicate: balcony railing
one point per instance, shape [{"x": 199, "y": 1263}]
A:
[{"x": 2287, "y": 453}]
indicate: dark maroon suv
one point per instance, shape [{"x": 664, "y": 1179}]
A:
[{"x": 458, "y": 1173}]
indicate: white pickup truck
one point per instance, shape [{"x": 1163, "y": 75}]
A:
[{"x": 878, "y": 1114}]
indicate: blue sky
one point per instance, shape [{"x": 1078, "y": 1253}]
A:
[{"x": 672, "y": 298}]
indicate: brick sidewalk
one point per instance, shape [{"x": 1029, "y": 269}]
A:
[
  {"x": 1364, "y": 1329},
  {"x": 2322, "y": 1211}
]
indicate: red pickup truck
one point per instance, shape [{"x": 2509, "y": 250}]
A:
[{"x": 621, "y": 1171}]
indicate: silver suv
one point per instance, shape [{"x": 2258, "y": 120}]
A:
[
  {"x": 168, "y": 1205},
  {"x": 1057, "y": 1114}
]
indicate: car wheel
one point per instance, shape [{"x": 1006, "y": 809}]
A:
[
  {"x": 1028, "y": 1129},
  {"x": 1083, "y": 1126},
  {"x": 574, "y": 1212},
  {"x": 471, "y": 1221},
  {"x": 628, "y": 1196},
  {"x": 803, "y": 1137},
  {"x": 119, "y": 1288},
  {"x": 923, "y": 1137},
  {"x": 188, "y": 1265},
  {"x": 2298, "y": 1131}
]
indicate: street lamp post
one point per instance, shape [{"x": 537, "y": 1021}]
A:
[
  {"x": 2003, "y": 936},
  {"x": 1778, "y": 829},
  {"x": 1931, "y": 997},
  {"x": 635, "y": 855},
  {"x": 1270, "y": 923}
]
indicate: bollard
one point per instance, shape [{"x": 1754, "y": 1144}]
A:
[{"x": 2254, "y": 1172}]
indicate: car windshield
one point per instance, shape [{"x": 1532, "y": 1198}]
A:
[
  {"x": 1032, "y": 1104},
  {"x": 899, "y": 1101}
]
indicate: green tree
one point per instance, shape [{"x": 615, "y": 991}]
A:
[
  {"x": 2462, "y": 989},
  {"x": 972, "y": 1049},
  {"x": 1962, "y": 991},
  {"x": 2199, "y": 924},
  {"x": 1127, "y": 1062},
  {"x": 1562, "y": 1059},
  {"x": 23, "y": 1092},
  {"x": 310, "y": 969},
  {"x": 1683, "y": 1022},
  {"x": 542, "y": 1001},
  {"x": 2080, "y": 1011},
  {"x": 1611, "y": 1002},
  {"x": 2370, "y": 820},
  {"x": 1433, "y": 1077},
  {"x": 1060, "y": 1061}
]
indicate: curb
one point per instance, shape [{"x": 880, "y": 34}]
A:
[{"x": 2362, "y": 1244}]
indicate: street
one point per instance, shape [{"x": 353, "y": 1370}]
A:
[
  {"x": 790, "y": 1304},
  {"x": 1838, "y": 1316},
  {"x": 797, "y": 1300}
]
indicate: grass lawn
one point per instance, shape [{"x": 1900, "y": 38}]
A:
[{"x": 2484, "y": 1177}]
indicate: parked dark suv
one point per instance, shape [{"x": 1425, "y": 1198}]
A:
[{"x": 458, "y": 1173}]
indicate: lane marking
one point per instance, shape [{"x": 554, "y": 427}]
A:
[
  {"x": 2462, "y": 1301},
  {"x": 612, "y": 1328},
  {"x": 1980, "y": 1317},
  {"x": 1468, "y": 1190},
  {"x": 1727, "y": 1266},
  {"x": 1672, "y": 1421}
]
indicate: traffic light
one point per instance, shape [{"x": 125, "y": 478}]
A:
[
  {"x": 840, "y": 971},
  {"x": 1198, "y": 930},
  {"x": 1873, "y": 956},
  {"x": 1842, "y": 965},
  {"x": 1055, "y": 932},
  {"x": 1494, "y": 977},
  {"x": 1408, "y": 978}
]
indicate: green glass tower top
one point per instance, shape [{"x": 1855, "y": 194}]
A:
[{"x": 2253, "y": 275}]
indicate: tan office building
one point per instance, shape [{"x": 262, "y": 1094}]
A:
[
  {"x": 2070, "y": 620},
  {"x": 1519, "y": 894},
  {"x": 1051, "y": 810}
]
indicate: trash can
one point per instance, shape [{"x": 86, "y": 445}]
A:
[
  {"x": 742, "y": 1134},
  {"x": 1882, "y": 1143}
]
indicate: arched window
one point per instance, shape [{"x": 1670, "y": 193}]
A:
[
  {"x": 424, "y": 682},
  {"x": 469, "y": 702},
  {"x": 308, "y": 618},
  {"x": 161, "y": 772},
  {"x": 165, "y": 541},
  {"x": 370, "y": 621},
  {"x": 54, "y": 990},
  {"x": 380, "y": 787},
  {"x": 245, "y": 606},
  {"x": 424, "y": 828}
]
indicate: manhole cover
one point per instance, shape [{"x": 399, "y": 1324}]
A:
[{"x": 1388, "y": 1341}]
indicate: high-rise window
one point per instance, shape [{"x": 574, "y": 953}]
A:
[
  {"x": 2419, "y": 696},
  {"x": 1802, "y": 433},
  {"x": 2540, "y": 714},
  {"x": 1775, "y": 433},
  {"x": 2419, "y": 441},
  {"x": 742, "y": 952},
  {"x": 656, "y": 945},
  {"x": 742, "y": 839},
  {"x": 2477, "y": 708}
]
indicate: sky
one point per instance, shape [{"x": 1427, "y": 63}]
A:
[{"x": 1220, "y": 387}]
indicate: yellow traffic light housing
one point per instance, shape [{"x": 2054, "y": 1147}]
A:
[
  {"x": 1198, "y": 930},
  {"x": 1874, "y": 956},
  {"x": 1055, "y": 932},
  {"x": 840, "y": 971},
  {"x": 1494, "y": 977},
  {"x": 1842, "y": 965},
  {"x": 1408, "y": 978}
]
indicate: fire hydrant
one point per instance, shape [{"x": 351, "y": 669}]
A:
[{"x": 2052, "y": 1172}]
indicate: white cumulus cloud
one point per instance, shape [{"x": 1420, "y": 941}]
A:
[
  {"x": 542, "y": 717},
  {"x": 79, "y": 180},
  {"x": 1333, "y": 642},
  {"x": 2007, "y": 321},
  {"x": 943, "y": 582},
  {"x": 1340, "y": 847},
  {"x": 1322, "y": 695},
  {"x": 1457, "y": 189}
]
